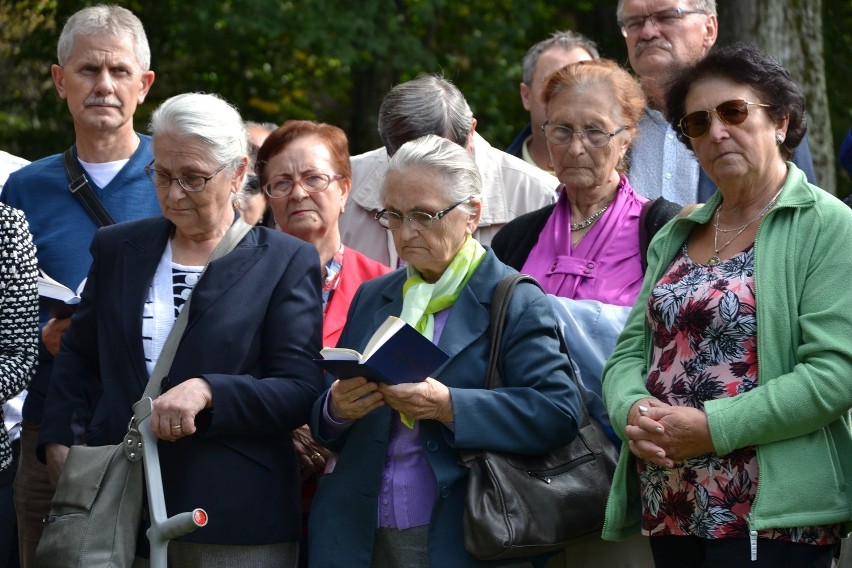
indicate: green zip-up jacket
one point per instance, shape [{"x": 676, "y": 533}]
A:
[{"x": 799, "y": 416}]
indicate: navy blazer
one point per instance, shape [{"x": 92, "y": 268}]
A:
[
  {"x": 537, "y": 410},
  {"x": 254, "y": 328}
]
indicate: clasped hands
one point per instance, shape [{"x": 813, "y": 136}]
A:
[
  {"x": 663, "y": 434},
  {"x": 354, "y": 398}
]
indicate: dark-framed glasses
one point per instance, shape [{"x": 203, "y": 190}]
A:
[
  {"x": 731, "y": 113},
  {"x": 591, "y": 137},
  {"x": 416, "y": 219},
  {"x": 190, "y": 183},
  {"x": 661, "y": 19},
  {"x": 312, "y": 183}
]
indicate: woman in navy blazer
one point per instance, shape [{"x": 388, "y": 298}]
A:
[
  {"x": 243, "y": 376},
  {"x": 396, "y": 495}
]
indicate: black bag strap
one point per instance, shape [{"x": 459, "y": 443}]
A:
[
  {"x": 79, "y": 187},
  {"x": 654, "y": 215},
  {"x": 499, "y": 307}
]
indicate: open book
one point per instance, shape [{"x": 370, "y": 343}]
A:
[
  {"x": 396, "y": 353},
  {"x": 61, "y": 300}
]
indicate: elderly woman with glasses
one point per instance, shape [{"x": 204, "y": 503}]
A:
[
  {"x": 396, "y": 495},
  {"x": 589, "y": 244},
  {"x": 731, "y": 379},
  {"x": 243, "y": 376}
]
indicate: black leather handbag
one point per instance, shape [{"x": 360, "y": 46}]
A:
[{"x": 525, "y": 505}]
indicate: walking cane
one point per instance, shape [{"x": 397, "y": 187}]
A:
[{"x": 163, "y": 528}]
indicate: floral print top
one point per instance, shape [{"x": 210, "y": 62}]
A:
[{"x": 704, "y": 328}]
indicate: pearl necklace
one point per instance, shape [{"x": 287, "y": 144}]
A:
[
  {"x": 714, "y": 260},
  {"x": 580, "y": 225}
]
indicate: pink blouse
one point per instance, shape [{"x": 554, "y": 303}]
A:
[{"x": 605, "y": 266}]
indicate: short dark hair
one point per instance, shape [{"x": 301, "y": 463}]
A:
[{"x": 746, "y": 64}]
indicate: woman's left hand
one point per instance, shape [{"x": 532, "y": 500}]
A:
[
  {"x": 681, "y": 432},
  {"x": 426, "y": 400},
  {"x": 173, "y": 415}
]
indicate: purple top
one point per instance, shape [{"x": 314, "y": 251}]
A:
[
  {"x": 408, "y": 483},
  {"x": 605, "y": 266}
]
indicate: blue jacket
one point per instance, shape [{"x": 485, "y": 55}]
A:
[
  {"x": 537, "y": 411},
  {"x": 62, "y": 230},
  {"x": 254, "y": 328}
]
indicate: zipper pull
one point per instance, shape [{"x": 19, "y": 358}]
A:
[{"x": 752, "y": 537}]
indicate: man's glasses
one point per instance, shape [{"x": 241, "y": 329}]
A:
[
  {"x": 190, "y": 183},
  {"x": 662, "y": 19},
  {"x": 697, "y": 124},
  {"x": 591, "y": 137},
  {"x": 416, "y": 219},
  {"x": 312, "y": 183}
]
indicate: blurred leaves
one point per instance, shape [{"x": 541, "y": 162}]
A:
[{"x": 329, "y": 60}]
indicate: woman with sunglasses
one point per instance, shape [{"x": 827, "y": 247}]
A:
[
  {"x": 731, "y": 378},
  {"x": 396, "y": 496}
]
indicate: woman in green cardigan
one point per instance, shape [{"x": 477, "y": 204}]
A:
[{"x": 731, "y": 381}]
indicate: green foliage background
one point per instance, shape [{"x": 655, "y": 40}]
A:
[{"x": 331, "y": 60}]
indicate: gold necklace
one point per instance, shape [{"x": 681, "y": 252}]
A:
[
  {"x": 714, "y": 260},
  {"x": 580, "y": 225}
]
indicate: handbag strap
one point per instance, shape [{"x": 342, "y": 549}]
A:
[
  {"x": 235, "y": 234},
  {"x": 78, "y": 185},
  {"x": 499, "y": 308}
]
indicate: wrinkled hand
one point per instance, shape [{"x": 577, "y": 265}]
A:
[
  {"x": 426, "y": 400},
  {"x": 354, "y": 398},
  {"x": 51, "y": 333},
  {"x": 173, "y": 415},
  {"x": 312, "y": 456},
  {"x": 664, "y": 434},
  {"x": 55, "y": 456}
]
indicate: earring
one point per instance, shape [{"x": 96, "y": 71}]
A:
[{"x": 779, "y": 138}]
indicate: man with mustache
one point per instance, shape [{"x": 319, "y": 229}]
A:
[
  {"x": 103, "y": 74},
  {"x": 664, "y": 37}
]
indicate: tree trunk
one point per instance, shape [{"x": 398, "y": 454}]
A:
[{"x": 791, "y": 31}]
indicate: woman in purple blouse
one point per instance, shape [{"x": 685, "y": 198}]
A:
[{"x": 587, "y": 245}]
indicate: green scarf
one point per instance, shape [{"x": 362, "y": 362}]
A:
[{"x": 421, "y": 299}]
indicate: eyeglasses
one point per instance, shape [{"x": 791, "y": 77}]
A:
[
  {"x": 417, "y": 219},
  {"x": 697, "y": 124},
  {"x": 591, "y": 137},
  {"x": 189, "y": 183},
  {"x": 662, "y": 19},
  {"x": 312, "y": 183}
]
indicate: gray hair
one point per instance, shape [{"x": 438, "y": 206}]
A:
[
  {"x": 104, "y": 19},
  {"x": 427, "y": 105},
  {"x": 708, "y": 6},
  {"x": 455, "y": 165},
  {"x": 207, "y": 117},
  {"x": 563, "y": 39}
]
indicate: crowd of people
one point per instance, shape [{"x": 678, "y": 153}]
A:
[{"x": 686, "y": 256}]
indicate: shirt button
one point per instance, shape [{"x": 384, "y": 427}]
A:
[
  {"x": 670, "y": 136},
  {"x": 668, "y": 175},
  {"x": 590, "y": 265},
  {"x": 432, "y": 446},
  {"x": 445, "y": 492}
]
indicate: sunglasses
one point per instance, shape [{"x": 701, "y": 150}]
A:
[{"x": 731, "y": 113}]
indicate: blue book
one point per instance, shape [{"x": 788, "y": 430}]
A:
[{"x": 396, "y": 353}]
